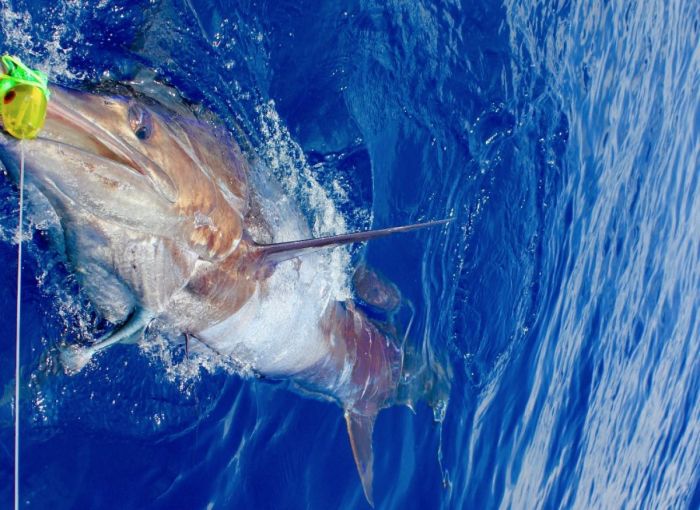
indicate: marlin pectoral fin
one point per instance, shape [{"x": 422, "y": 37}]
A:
[
  {"x": 74, "y": 357},
  {"x": 360, "y": 429},
  {"x": 279, "y": 252}
]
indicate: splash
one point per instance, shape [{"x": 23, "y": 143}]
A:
[
  {"x": 51, "y": 54},
  {"x": 286, "y": 161}
]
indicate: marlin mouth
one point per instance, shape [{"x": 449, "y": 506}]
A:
[
  {"x": 92, "y": 138},
  {"x": 68, "y": 126},
  {"x": 74, "y": 130}
]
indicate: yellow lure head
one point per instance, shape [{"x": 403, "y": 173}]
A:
[{"x": 24, "y": 95}]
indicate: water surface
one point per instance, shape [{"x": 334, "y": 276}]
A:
[{"x": 562, "y": 136}]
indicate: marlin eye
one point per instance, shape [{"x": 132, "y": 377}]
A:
[
  {"x": 140, "y": 121},
  {"x": 142, "y": 133}
]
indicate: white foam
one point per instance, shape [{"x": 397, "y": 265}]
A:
[
  {"x": 286, "y": 160},
  {"x": 50, "y": 56}
]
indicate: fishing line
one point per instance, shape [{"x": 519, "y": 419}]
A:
[
  {"x": 24, "y": 95},
  {"x": 17, "y": 323}
]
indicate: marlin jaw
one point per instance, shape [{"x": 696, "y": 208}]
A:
[{"x": 153, "y": 214}]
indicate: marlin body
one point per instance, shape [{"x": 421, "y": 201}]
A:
[{"x": 158, "y": 212}]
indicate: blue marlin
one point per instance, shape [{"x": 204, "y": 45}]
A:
[{"x": 163, "y": 220}]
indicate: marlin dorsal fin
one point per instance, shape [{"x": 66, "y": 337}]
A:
[
  {"x": 279, "y": 252},
  {"x": 360, "y": 428}
]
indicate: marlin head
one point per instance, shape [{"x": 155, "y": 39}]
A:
[
  {"x": 142, "y": 194},
  {"x": 133, "y": 163}
]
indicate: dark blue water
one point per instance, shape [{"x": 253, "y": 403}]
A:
[{"x": 562, "y": 136}]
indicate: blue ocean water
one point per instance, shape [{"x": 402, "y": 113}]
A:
[{"x": 562, "y": 136}]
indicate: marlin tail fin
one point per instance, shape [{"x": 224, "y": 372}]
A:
[{"x": 360, "y": 429}]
